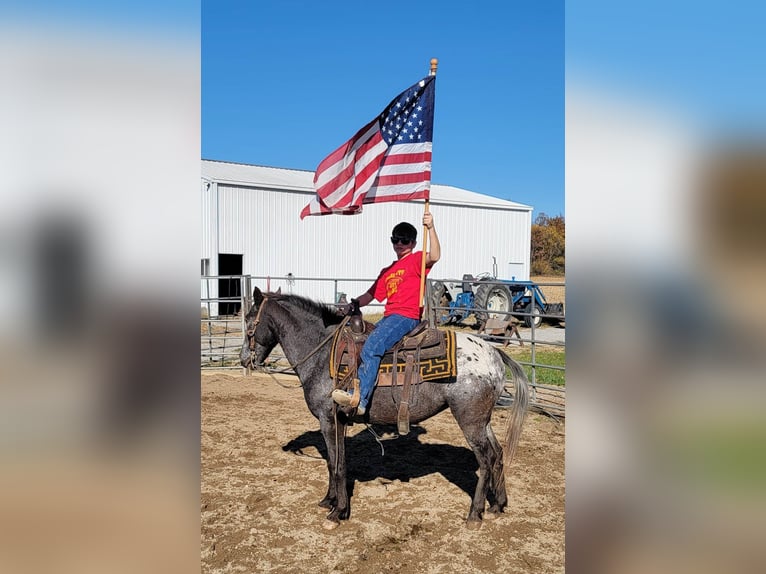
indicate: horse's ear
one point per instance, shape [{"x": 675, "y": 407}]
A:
[
  {"x": 278, "y": 291},
  {"x": 257, "y": 297}
]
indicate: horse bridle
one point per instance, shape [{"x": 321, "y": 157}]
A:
[
  {"x": 251, "y": 334},
  {"x": 251, "y": 337}
]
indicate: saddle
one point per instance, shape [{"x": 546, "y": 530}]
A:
[{"x": 423, "y": 354}]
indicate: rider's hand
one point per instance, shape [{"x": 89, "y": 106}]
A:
[{"x": 352, "y": 307}]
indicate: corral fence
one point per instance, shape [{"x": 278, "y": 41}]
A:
[{"x": 224, "y": 297}]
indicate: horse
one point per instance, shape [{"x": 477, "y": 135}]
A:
[{"x": 303, "y": 328}]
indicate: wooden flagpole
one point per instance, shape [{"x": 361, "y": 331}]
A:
[{"x": 434, "y": 64}]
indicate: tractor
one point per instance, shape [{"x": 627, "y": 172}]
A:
[{"x": 486, "y": 297}]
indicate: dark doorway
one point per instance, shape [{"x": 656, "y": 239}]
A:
[{"x": 229, "y": 264}]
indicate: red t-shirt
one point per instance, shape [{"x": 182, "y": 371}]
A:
[{"x": 399, "y": 285}]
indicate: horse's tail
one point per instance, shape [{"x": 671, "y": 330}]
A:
[{"x": 518, "y": 410}]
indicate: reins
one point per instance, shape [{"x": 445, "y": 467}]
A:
[{"x": 290, "y": 368}]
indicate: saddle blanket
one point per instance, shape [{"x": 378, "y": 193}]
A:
[{"x": 437, "y": 360}]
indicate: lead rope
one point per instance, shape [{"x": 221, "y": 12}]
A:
[
  {"x": 345, "y": 427},
  {"x": 378, "y": 439}
]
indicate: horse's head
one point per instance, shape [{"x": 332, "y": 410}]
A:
[{"x": 260, "y": 337}]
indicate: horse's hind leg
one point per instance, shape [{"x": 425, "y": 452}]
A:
[
  {"x": 476, "y": 434},
  {"x": 497, "y": 497}
]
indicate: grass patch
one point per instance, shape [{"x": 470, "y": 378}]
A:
[{"x": 543, "y": 375}]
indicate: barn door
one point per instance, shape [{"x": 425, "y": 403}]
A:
[{"x": 229, "y": 264}]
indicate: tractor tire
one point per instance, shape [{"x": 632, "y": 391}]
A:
[
  {"x": 492, "y": 301},
  {"x": 439, "y": 297},
  {"x": 534, "y": 318}
]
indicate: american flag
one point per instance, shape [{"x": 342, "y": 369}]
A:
[{"x": 389, "y": 159}]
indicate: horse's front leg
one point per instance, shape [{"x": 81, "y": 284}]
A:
[
  {"x": 336, "y": 499},
  {"x": 330, "y": 499}
]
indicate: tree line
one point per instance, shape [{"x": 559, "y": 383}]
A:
[{"x": 548, "y": 240}]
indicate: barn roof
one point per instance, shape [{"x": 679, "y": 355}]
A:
[{"x": 302, "y": 180}]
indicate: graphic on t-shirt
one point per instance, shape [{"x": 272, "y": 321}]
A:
[{"x": 393, "y": 281}]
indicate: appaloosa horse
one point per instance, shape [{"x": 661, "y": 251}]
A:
[{"x": 303, "y": 328}]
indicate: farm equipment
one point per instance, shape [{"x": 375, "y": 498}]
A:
[{"x": 487, "y": 298}]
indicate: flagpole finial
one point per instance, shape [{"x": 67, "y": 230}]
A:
[{"x": 434, "y": 64}]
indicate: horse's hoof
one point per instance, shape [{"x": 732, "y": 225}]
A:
[
  {"x": 330, "y": 525},
  {"x": 473, "y": 524}
]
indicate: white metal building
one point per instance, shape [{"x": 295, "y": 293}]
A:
[{"x": 251, "y": 226}]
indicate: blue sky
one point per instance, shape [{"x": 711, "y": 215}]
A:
[{"x": 285, "y": 83}]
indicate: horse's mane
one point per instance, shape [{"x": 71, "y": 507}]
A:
[{"x": 328, "y": 313}]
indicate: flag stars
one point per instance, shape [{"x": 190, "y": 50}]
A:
[{"x": 401, "y": 121}]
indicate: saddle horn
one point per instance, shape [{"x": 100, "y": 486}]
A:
[{"x": 355, "y": 317}]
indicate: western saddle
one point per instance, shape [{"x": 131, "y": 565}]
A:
[{"x": 424, "y": 354}]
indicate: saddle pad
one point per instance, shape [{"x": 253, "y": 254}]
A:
[{"x": 442, "y": 366}]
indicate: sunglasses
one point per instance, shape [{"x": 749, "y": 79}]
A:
[{"x": 401, "y": 240}]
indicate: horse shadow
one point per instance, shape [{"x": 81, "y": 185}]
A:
[{"x": 403, "y": 458}]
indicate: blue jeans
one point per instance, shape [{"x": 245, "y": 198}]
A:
[{"x": 388, "y": 331}]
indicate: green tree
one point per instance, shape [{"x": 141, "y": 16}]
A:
[{"x": 548, "y": 240}]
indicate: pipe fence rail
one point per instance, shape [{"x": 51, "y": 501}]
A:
[{"x": 223, "y": 299}]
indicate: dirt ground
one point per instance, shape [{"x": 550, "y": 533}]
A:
[{"x": 263, "y": 474}]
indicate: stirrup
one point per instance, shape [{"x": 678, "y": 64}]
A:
[{"x": 346, "y": 399}]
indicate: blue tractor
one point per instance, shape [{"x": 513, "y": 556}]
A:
[{"x": 486, "y": 297}]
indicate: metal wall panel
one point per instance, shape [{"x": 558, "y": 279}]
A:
[
  {"x": 209, "y": 248},
  {"x": 264, "y": 226},
  {"x": 209, "y": 220}
]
